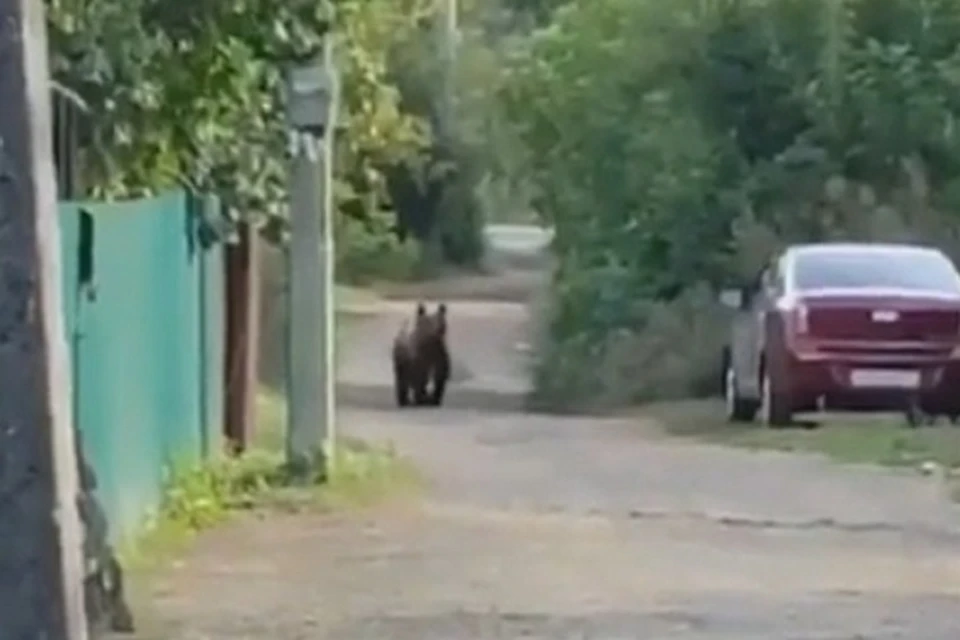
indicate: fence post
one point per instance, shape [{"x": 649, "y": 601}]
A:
[{"x": 240, "y": 374}]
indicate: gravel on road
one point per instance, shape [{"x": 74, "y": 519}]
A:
[{"x": 539, "y": 526}]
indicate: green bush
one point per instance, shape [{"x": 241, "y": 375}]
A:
[
  {"x": 674, "y": 146},
  {"x": 201, "y": 495},
  {"x": 197, "y": 497},
  {"x": 671, "y": 350},
  {"x": 369, "y": 250}
]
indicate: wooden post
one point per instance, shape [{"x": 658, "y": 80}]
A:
[
  {"x": 243, "y": 315},
  {"x": 41, "y": 568}
]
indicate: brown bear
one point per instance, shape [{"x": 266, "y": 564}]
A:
[{"x": 421, "y": 357}]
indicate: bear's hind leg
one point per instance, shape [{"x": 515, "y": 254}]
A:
[
  {"x": 401, "y": 385},
  {"x": 420, "y": 395},
  {"x": 441, "y": 375},
  {"x": 439, "y": 388},
  {"x": 419, "y": 383}
]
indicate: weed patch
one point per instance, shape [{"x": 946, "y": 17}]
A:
[
  {"x": 868, "y": 439},
  {"x": 202, "y": 495}
]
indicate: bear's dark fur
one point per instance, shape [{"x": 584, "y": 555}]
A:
[{"x": 421, "y": 357}]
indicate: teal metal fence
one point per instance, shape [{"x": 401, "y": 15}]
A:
[{"x": 144, "y": 312}]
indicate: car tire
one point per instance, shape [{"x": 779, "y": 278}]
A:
[
  {"x": 738, "y": 409},
  {"x": 775, "y": 407}
]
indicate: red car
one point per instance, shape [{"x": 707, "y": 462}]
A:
[{"x": 858, "y": 327}]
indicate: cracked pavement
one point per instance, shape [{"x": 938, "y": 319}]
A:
[{"x": 539, "y": 526}]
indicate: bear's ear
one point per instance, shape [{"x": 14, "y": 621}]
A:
[
  {"x": 442, "y": 310},
  {"x": 421, "y": 309}
]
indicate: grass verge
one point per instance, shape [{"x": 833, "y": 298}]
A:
[
  {"x": 205, "y": 495},
  {"x": 868, "y": 439}
]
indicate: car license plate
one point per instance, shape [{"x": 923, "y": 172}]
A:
[{"x": 885, "y": 379}]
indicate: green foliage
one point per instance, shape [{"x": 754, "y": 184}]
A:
[
  {"x": 183, "y": 94},
  {"x": 200, "y": 496},
  {"x": 380, "y": 132},
  {"x": 672, "y": 357},
  {"x": 675, "y": 145},
  {"x": 533, "y": 12},
  {"x": 192, "y": 94},
  {"x": 437, "y": 199},
  {"x": 490, "y": 32},
  {"x": 472, "y": 172},
  {"x": 368, "y": 250}
]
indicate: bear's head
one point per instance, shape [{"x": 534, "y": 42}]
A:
[{"x": 430, "y": 328}]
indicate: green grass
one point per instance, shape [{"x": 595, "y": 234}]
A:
[
  {"x": 202, "y": 496},
  {"x": 871, "y": 439}
]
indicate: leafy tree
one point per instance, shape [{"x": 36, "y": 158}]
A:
[
  {"x": 437, "y": 201},
  {"x": 191, "y": 94},
  {"x": 674, "y": 145}
]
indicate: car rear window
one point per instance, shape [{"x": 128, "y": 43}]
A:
[{"x": 922, "y": 271}]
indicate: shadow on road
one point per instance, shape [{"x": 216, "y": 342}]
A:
[{"x": 380, "y": 397}]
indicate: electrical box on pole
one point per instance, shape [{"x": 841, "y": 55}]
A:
[{"x": 310, "y": 93}]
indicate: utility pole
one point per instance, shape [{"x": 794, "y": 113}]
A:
[
  {"x": 41, "y": 568},
  {"x": 449, "y": 41},
  {"x": 312, "y": 105},
  {"x": 329, "y": 435},
  {"x": 451, "y": 28}
]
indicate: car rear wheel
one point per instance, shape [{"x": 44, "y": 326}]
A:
[
  {"x": 774, "y": 407},
  {"x": 739, "y": 409}
]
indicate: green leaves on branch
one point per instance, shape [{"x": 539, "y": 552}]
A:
[{"x": 191, "y": 93}]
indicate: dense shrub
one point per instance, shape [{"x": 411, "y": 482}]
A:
[
  {"x": 368, "y": 250},
  {"x": 674, "y": 146},
  {"x": 672, "y": 351}
]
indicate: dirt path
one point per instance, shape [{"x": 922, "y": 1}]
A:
[{"x": 547, "y": 527}]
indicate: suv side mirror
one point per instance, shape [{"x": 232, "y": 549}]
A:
[{"x": 732, "y": 298}]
